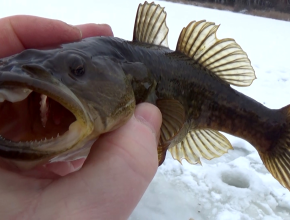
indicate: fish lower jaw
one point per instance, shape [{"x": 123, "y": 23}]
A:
[
  {"x": 62, "y": 143},
  {"x": 30, "y": 143},
  {"x": 68, "y": 140},
  {"x": 40, "y": 119}
]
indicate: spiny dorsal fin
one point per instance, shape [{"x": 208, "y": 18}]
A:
[
  {"x": 223, "y": 57},
  {"x": 173, "y": 119},
  {"x": 150, "y": 25},
  {"x": 199, "y": 143}
]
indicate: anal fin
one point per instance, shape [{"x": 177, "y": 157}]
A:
[{"x": 199, "y": 143}]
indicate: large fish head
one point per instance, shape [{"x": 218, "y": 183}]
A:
[{"x": 55, "y": 103}]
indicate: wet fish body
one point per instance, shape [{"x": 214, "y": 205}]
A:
[{"x": 84, "y": 89}]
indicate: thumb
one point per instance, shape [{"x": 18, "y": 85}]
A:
[{"x": 121, "y": 165}]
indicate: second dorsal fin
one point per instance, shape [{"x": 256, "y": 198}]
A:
[
  {"x": 150, "y": 25},
  {"x": 223, "y": 57}
]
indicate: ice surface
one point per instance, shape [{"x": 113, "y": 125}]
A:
[{"x": 236, "y": 186}]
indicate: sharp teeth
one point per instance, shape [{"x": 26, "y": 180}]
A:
[
  {"x": 43, "y": 109},
  {"x": 32, "y": 142},
  {"x": 13, "y": 93}
]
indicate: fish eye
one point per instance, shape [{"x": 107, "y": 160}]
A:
[
  {"x": 78, "y": 71},
  {"x": 76, "y": 66}
]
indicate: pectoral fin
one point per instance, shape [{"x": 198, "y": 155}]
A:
[
  {"x": 161, "y": 150},
  {"x": 173, "y": 119},
  {"x": 199, "y": 143}
]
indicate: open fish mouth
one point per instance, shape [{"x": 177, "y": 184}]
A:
[
  {"x": 39, "y": 116},
  {"x": 28, "y": 116}
]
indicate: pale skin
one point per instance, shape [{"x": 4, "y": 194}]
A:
[{"x": 119, "y": 168}]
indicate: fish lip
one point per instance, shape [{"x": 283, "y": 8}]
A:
[{"x": 60, "y": 93}]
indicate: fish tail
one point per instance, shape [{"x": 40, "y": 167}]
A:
[{"x": 277, "y": 157}]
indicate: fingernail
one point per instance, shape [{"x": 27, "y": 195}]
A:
[
  {"x": 76, "y": 29},
  {"x": 79, "y": 30},
  {"x": 81, "y": 33},
  {"x": 90, "y": 30},
  {"x": 106, "y": 27},
  {"x": 150, "y": 116}
]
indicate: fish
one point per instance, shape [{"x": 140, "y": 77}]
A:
[{"x": 56, "y": 102}]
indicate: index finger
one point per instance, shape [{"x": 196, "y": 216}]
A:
[{"x": 22, "y": 32}]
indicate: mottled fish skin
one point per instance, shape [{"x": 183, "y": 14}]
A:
[
  {"x": 208, "y": 101},
  {"x": 101, "y": 79}
]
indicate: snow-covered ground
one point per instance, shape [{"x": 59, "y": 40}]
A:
[{"x": 236, "y": 186}]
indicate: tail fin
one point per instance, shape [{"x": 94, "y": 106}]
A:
[{"x": 277, "y": 160}]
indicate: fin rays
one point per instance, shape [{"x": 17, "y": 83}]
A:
[
  {"x": 150, "y": 25},
  {"x": 199, "y": 143},
  {"x": 223, "y": 57},
  {"x": 277, "y": 158},
  {"x": 279, "y": 168},
  {"x": 173, "y": 118}
]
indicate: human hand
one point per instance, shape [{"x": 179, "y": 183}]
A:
[{"x": 118, "y": 169}]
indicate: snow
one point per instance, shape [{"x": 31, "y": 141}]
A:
[{"x": 236, "y": 186}]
